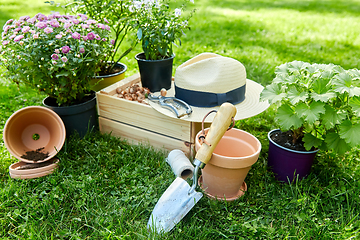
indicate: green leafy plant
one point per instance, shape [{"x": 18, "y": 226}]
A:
[
  {"x": 119, "y": 15},
  {"x": 55, "y": 54},
  {"x": 159, "y": 26},
  {"x": 320, "y": 103}
]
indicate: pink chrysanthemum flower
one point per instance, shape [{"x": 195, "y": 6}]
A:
[
  {"x": 41, "y": 25},
  {"x": 76, "y": 35},
  {"x": 65, "y": 49},
  {"x": 54, "y": 23},
  {"x": 91, "y": 36},
  {"x": 48, "y": 30},
  {"x": 55, "y": 57},
  {"x": 18, "y": 38},
  {"x": 64, "y": 59},
  {"x": 25, "y": 29}
]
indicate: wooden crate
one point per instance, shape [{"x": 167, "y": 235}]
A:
[{"x": 140, "y": 123}]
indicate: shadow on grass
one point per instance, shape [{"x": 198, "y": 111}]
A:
[
  {"x": 320, "y": 6},
  {"x": 261, "y": 48}
]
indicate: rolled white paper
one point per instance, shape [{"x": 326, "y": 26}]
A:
[{"x": 180, "y": 164}]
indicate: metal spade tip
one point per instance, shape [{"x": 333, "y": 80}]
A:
[{"x": 172, "y": 206}]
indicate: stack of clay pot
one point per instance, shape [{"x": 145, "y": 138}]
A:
[{"x": 34, "y": 135}]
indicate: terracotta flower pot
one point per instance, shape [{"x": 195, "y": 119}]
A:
[
  {"x": 33, "y": 129},
  {"x": 24, "y": 170},
  {"x": 103, "y": 81},
  {"x": 223, "y": 176}
]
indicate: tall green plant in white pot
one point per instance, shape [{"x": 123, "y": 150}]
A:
[
  {"x": 118, "y": 16},
  {"x": 317, "y": 108},
  {"x": 159, "y": 26},
  {"x": 57, "y": 55}
]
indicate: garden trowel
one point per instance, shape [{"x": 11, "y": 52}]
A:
[{"x": 179, "y": 198}]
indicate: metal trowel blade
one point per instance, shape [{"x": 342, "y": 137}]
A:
[{"x": 172, "y": 206}]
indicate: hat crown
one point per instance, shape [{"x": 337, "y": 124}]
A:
[{"x": 209, "y": 72}]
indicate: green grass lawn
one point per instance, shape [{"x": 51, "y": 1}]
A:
[{"x": 106, "y": 188}]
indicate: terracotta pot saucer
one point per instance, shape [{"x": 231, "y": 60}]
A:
[
  {"x": 25, "y": 170},
  {"x": 241, "y": 192}
]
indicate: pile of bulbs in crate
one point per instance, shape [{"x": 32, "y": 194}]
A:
[
  {"x": 136, "y": 93},
  {"x": 34, "y": 135}
]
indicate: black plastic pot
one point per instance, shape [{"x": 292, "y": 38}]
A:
[
  {"x": 79, "y": 118},
  {"x": 155, "y": 74}
]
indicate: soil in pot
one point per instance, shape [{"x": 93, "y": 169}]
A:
[
  {"x": 285, "y": 139},
  {"x": 115, "y": 69},
  {"x": 36, "y": 155},
  {"x": 106, "y": 78}
]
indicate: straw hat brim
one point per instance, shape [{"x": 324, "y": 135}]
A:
[{"x": 250, "y": 107}]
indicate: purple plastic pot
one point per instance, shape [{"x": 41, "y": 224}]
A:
[{"x": 289, "y": 164}]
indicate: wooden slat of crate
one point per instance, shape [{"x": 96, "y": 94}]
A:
[
  {"x": 138, "y": 122},
  {"x": 136, "y": 135},
  {"x": 138, "y": 114}
]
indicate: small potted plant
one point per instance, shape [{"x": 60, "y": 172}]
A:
[
  {"x": 318, "y": 108},
  {"x": 119, "y": 16},
  {"x": 158, "y": 27},
  {"x": 57, "y": 55}
]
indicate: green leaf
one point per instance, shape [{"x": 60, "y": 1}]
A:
[
  {"x": 350, "y": 132},
  {"x": 323, "y": 97},
  {"x": 282, "y": 69},
  {"x": 273, "y": 93},
  {"x": 344, "y": 83},
  {"x": 62, "y": 73},
  {"x": 328, "y": 73},
  {"x": 139, "y": 33},
  {"x": 334, "y": 142},
  {"x": 311, "y": 69},
  {"x": 354, "y": 102},
  {"x": 321, "y": 85},
  {"x": 295, "y": 96},
  {"x": 333, "y": 117},
  {"x": 311, "y": 141},
  {"x": 297, "y": 66},
  {"x": 287, "y": 118},
  {"x": 310, "y": 113}
]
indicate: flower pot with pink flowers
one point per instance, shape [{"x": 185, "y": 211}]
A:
[
  {"x": 119, "y": 18},
  {"x": 57, "y": 55}
]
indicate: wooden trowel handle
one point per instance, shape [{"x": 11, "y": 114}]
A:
[{"x": 218, "y": 127}]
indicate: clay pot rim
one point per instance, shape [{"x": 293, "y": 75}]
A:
[
  {"x": 287, "y": 149},
  {"x": 36, "y": 108},
  {"x": 138, "y": 58},
  {"x": 236, "y": 129},
  {"x": 51, "y": 166},
  {"x": 235, "y": 162}
]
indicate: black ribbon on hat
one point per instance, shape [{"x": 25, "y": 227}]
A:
[{"x": 206, "y": 99}]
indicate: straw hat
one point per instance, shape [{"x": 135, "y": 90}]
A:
[{"x": 208, "y": 80}]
